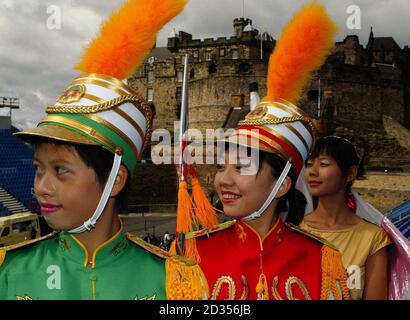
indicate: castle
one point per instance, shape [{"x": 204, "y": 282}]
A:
[{"x": 361, "y": 87}]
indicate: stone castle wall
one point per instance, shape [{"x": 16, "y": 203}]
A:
[{"x": 358, "y": 91}]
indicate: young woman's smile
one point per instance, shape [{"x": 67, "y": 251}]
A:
[
  {"x": 242, "y": 189},
  {"x": 229, "y": 197}
]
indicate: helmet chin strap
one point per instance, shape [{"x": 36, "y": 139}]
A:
[
  {"x": 271, "y": 196},
  {"x": 90, "y": 223}
]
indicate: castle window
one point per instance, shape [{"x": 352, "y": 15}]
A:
[
  {"x": 244, "y": 68},
  {"x": 178, "y": 95},
  {"x": 180, "y": 76},
  {"x": 235, "y": 54},
  {"x": 222, "y": 52},
  {"x": 212, "y": 68},
  {"x": 196, "y": 54},
  {"x": 208, "y": 56},
  {"x": 192, "y": 74},
  {"x": 150, "y": 76},
  {"x": 150, "y": 95}
]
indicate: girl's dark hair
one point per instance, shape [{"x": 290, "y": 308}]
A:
[
  {"x": 101, "y": 161},
  {"x": 295, "y": 199},
  {"x": 342, "y": 151}
]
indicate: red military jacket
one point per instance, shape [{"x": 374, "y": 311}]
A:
[{"x": 286, "y": 264}]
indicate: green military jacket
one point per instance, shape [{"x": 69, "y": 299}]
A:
[{"x": 57, "y": 266}]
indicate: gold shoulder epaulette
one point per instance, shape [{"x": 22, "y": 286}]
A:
[
  {"x": 334, "y": 279},
  {"x": 184, "y": 278},
  {"x": 4, "y": 250},
  {"x": 158, "y": 251},
  {"x": 206, "y": 232},
  {"x": 309, "y": 235}
]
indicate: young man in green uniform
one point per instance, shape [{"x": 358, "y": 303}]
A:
[{"x": 85, "y": 151}]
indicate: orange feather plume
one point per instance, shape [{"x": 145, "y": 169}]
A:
[
  {"x": 303, "y": 47},
  {"x": 127, "y": 37}
]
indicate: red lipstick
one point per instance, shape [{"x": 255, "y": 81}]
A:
[
  {"x": 47, "y": 208},
  {"x": 229, "y": 197}
]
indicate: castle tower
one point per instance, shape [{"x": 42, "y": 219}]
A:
[
  {"x": 239, "y": 24},
  {"x": 370, "y": 46}
]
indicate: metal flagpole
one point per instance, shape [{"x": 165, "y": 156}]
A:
[{"x": 183, "y": 125}]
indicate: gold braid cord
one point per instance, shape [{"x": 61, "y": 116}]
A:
[
  {"x": 107, "y": 105},
  {"x": 302, "y": 286},
  {"x": 265, "y": 121},
  {"x": 334, "y": 278},
  {"x": 245, "y": 291},
  {"x": 224, "y": 280},
  {"x": 230, "y": 283},
  {"x": 288, "y": 288},
  {"x": 275, "y": 293}
]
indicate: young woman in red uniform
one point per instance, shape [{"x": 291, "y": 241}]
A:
[{"x": 257, "y": 255}]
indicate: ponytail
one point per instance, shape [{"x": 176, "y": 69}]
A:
[{"x": 297, "y": 205}]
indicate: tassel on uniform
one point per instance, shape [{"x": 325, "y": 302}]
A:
[
  {"x": 204, "y": 211},
  {"x": 185, "y": 222},
  {"x": 2, "y": 255},
  {"x": 191, "y": 250},
  {"x": 333, "y": 273},
  {"x": 262, "y": 290},
  {"x": 184, "y": 210},
  {"x": 173, "y": 247},
  {"x": 185, "y": 281}
]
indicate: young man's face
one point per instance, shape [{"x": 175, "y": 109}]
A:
[{"x": 67, "y": 190}]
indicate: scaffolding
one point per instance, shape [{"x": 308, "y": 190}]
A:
[{"x": 9, "y": 103}]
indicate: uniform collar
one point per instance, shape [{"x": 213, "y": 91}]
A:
[
  {"x": 248, "y": 236},
  {"x": 74, "y": 250}
]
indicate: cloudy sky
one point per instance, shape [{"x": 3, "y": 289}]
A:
[{"x": 38, "y": 52}]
